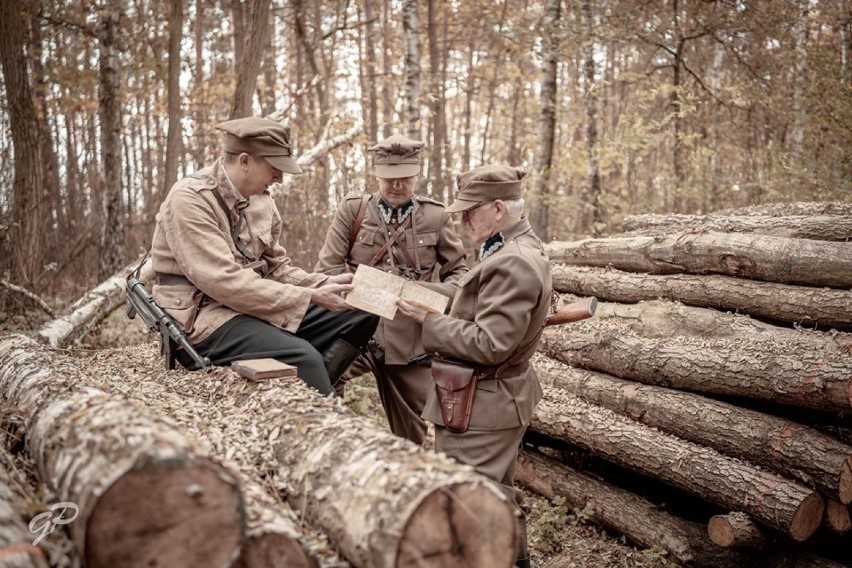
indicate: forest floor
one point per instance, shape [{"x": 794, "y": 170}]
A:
[{"x": 559, "y": 537}]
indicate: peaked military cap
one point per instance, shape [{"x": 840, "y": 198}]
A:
[
  {"x": 486, "y": 183},
  {"x": 397, "y": 157},
  {"x": 261, "y": 137}
]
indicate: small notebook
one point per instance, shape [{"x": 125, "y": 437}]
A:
[{"x": 259, "y": 369}]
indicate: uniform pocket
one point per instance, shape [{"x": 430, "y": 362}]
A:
[{"x": 181, "y": 302}]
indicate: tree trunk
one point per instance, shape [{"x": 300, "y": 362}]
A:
[
  {"x": 819, "y": 227},
  {"x": 735, "y": 530},
  {"x": 788, "y": 448},
  {"x": 411, "y": 32},
  {"x": 819, "y": 307},
  {"x": 256, "y": 39},
  {"x": 109, "y": 105},
  {"x": 174, "y": 137},
  {"x": 21, "y": 247},
  {"x": 591, "y": 194},
  {"x": 438, "y": 102},
  {"x": 770, "y": 499},
  {"x": 16, "y": 540},
  {"x": 758, "y": 370},
  {"x": 238, "y": 20},
  {"x": 624, "y": 512},
  {"x": 108, "y": 456},
  {"x": 539, "y": 204},
  {"x": 370, "y": 76},
  {"x": 805, "y": 208},
  {"x": 773, "y": 259}
]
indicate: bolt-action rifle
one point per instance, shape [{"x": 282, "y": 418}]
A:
[{"x": 140, "y": 301}]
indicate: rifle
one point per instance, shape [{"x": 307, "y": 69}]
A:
[
  {"x": 140, "y": 301},
  {"x": 575, "y": 311}
]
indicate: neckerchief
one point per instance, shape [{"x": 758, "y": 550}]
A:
[
  {"x": 395, "y": 215},
  {"x": 492, "y": 245}
]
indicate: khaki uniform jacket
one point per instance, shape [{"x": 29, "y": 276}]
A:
[
  {"x": 498, "y": 309},
  {"x": 437, "y": 243},
  {"x": 192, "y": 238}
]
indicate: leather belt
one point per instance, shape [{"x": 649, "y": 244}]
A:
[{"x": 164, "y": 279}]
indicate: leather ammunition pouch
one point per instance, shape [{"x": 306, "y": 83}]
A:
[{"x": 455, "y": 385}]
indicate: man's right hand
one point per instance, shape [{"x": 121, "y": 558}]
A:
[{"x": 331, "y": 297}]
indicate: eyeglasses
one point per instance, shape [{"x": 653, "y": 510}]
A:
[{"x": 466, "y": 213}]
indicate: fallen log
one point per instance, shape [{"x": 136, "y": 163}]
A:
[
  {"x": 815, "y": 227},
  {"x": 772, "y": 259},
  {"x": 760, "y": 370},
  {"x": 91, "y": 308},
  {"x": 728, "y": 482},
  {"x": 788, "y": 448},
  {"x": 108, "y": 456},
  {"x": 16, "y": 542},
  {"x": 822, "y": 307},
  {"x": 380, "y": 499},
  {"x": 836, "y": 517},
  {"x": 795, "y": 208},
  {"x": 623, "y": 512},
  {"x": 735, "y": 530}
]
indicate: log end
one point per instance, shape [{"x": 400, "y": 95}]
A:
[
  {"x": 720, "y": 531},
  {"x": 807, "y": 518},
  {"x": 844, "y": 489},
  {"x": 166, "y": 513},
  {"x": 273, "y": 550},
  {"x": 467, "y": 524}
]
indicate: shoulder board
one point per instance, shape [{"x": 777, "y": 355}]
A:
[
  {"x": 424, "y": 199},
  {"x": 354, "y": 195},
  {"x": 200, "y": 182}
]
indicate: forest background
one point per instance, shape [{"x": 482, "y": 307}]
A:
[{"x": 613, "y": 107}]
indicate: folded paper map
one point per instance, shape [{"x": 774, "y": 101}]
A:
[{"x": 376, "y": 292}]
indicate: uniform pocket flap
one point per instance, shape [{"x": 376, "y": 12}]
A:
[{"x": 451, "y": 375}]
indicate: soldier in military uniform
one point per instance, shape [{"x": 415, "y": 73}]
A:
[
  {"x": 496, "y": 318},
  {"x": 413, "y": 237},
  {"x": 222, "y": 274}
]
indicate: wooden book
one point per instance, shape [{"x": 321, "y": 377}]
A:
[{"x": 259, "y": 369}]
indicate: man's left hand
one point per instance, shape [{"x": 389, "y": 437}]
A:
[{"x": 416, "y": 313}]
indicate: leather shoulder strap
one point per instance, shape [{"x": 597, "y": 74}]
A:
[{"x": 359, "y": 218}]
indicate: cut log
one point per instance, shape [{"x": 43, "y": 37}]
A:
[
  {"x": 735, "y": 530},
  {"x": 837, "y": 517},
  {"x": 791, "y": 449},
  {"x": 622, "y": 511},
  {"x": 379, "y": 498},
  {"x": 758, "y": 369},
  {"x": 145, "y": 495},
  {"x": 728, "y": 482},
  {"x": 91, "y": 309},
  {"x": 795, "y": 208},
  {"x": 773, "y": 259},
  {"x": 817, "y": 227},
  {"x": 822, "y": 307},
  {"x": 16, "y": 542}
]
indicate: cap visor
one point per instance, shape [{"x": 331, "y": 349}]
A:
[
  {"x": 385, "y": 171},
  {"x": 284, "y": 163},
  {"x": 461, "y": 205}
]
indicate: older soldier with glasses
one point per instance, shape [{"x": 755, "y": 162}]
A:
[
  {"x": 408, "y": 235},
  {"x": 223, "y": 276},
  {"x": 494, "y": 325}
]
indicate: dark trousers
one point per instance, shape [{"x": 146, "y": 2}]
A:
[{"x": 247, "y": 337}]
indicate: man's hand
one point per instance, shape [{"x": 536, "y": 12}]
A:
[
  {"x": 330, "y": 296},
  {"x": 416, "y": 313},
  {"x": 344, "y": 278}
]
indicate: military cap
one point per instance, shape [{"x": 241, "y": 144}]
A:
[
  {"x": 261, "y": 137},
  {"x": 486, "y": 183},
  {"x": 397, "y": 157}
]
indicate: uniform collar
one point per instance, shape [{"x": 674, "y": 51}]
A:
[
  {"x": 498, "y": 240},
  {"x": 233, "y": 198},
  {"x": 395, "y": 215}
]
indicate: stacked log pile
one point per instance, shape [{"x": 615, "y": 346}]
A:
[{"x": 720, "y": 351}]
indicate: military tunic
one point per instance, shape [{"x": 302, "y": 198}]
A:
[
  {"x": 402, "y": 387},
  {"x": 498, "y": 309}
]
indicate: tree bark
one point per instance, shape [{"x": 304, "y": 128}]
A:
[
  {"x": 807, "y": 208},
  {"x": 369, "y": 84},
  {"x": 622, "y": 511},
  {"x": 591, "y": 195},
  {"x": 173, "y": 139},
  {"x": 21, "y": 247},
  {"x": 538, "y": 208},
  {"x": 773, "y": 259},
  {"x": 108, "y": 456},
  {"x": 735, "y": 530},
  {"x": 820, "y": 307},
  {"x": 819, "y": 227},
  {"x": 758, "y": 370},
  {"x": 790, "y": 449},
  {"x": 16, "y": 541},
  {"x": 256, "y": 40},
  {"x": 768, "y": 498},
  {"x": 411, "y": 32}
]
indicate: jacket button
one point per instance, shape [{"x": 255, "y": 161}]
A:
[{"x": 177, "y": 301}]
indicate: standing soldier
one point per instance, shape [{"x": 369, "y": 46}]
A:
[
  {"x": 494, "y": 325},
  {"x": 413, "y": 237}
]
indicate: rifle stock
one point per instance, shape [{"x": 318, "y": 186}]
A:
[
  {"x": 575, "y": 311},
  {"x": 140, "y": 301}
]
